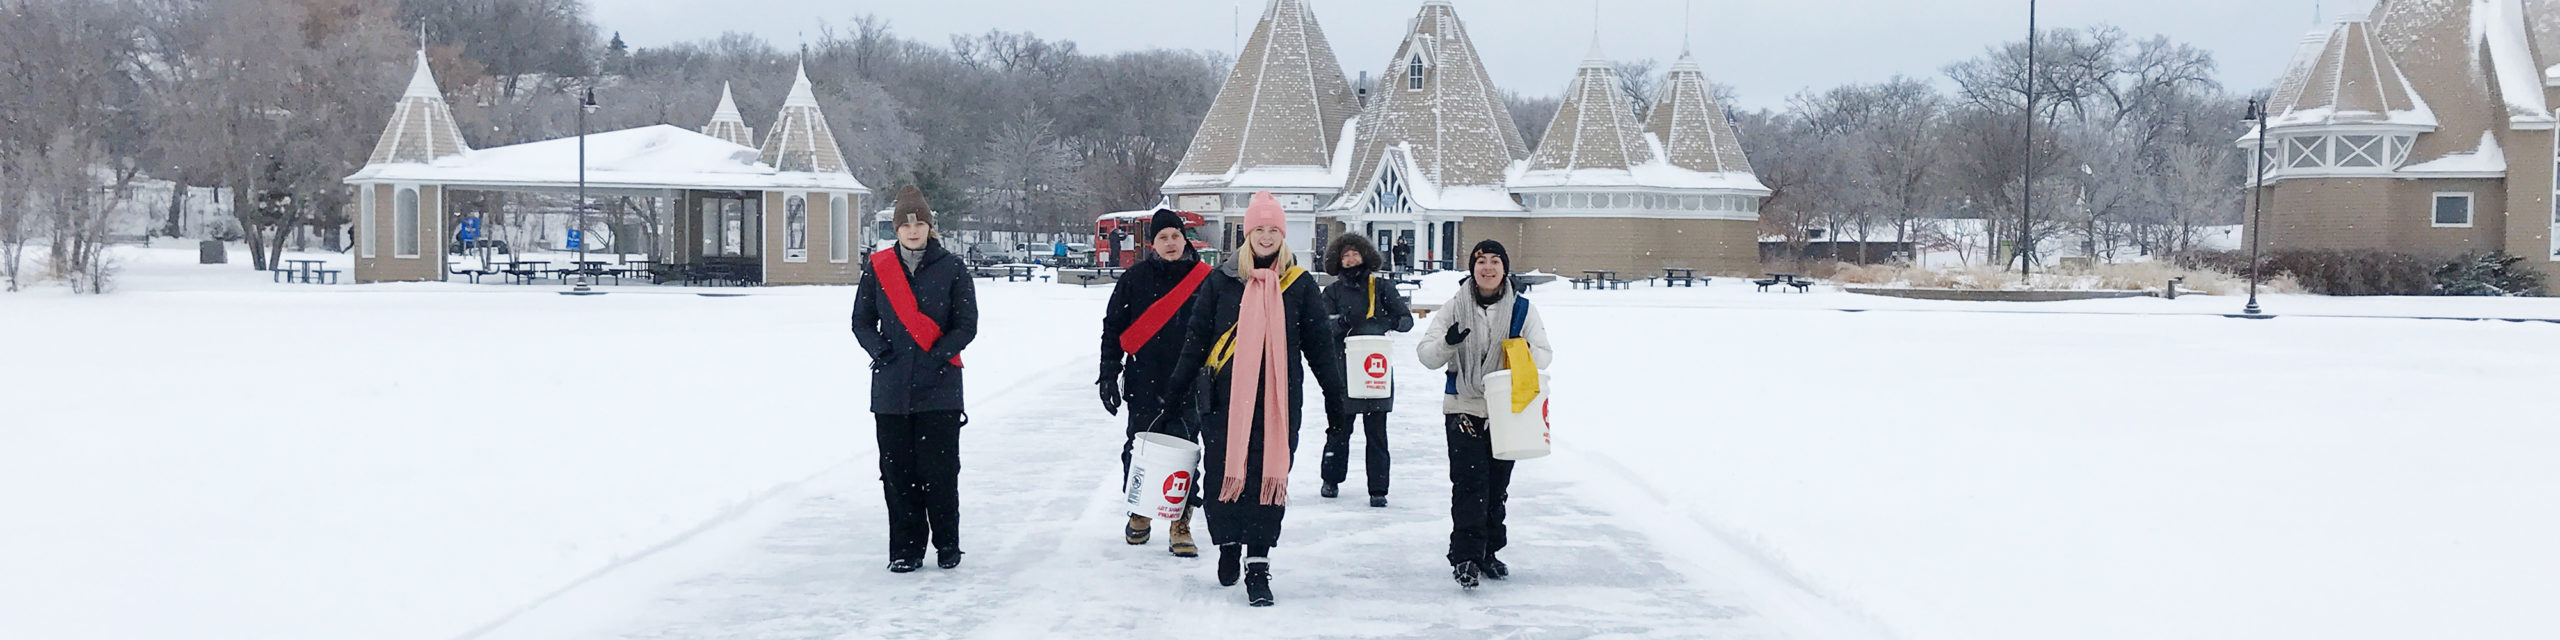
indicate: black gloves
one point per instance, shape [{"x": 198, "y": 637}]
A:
[
  {"x": 1458, "y": 335},
  {"x": 1111, "y": 395}
]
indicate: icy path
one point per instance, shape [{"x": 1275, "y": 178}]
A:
[{"x": 1041, "y": 520}]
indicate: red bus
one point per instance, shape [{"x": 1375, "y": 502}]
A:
[{"x": 1118, "y": 236}]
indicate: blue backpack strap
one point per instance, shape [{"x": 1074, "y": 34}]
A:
[{"x": 1519, "y": 316}]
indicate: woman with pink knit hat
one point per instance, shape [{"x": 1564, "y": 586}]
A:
[{"x": 1252, "y": 324}]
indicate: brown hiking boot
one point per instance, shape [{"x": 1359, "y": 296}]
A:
[
  {"x": 1140, "y": 528},
  {"x": 1181, "y": 535}
]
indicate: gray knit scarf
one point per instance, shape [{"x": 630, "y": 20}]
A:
[{"x": 1481, "y": 354}]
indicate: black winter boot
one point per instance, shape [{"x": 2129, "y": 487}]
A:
[
  {"x": 1330, "y": 490},
  {"x": 947, "y": 558},
  {"x": 1495, "y": 569},
  {"x": 903, "y": 565},
  {"x": 1378, "y": 501},
  {"x": 1257, "y": 582},
  {"x": 1230, "y": 563},
  {"x": 1467, "y": 574}
]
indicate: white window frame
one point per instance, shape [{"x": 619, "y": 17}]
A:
[
  {"x": 417, "y": 214},
  {"x": 365, "y": 225},
  {"x": 795, "y": 237},
  {"x": 2470, "y": 209},
  {"x": 840, "y": 228},
  {"x": 1413, "y": 73},
  {"x": 2344, "y": 151},
  {"x": 2306, "y": 152}
]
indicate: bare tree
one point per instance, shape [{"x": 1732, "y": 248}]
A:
[{"x": 1532, "y": 114}]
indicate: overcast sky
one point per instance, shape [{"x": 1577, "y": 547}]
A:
[{"x": 1767, "y": 49}]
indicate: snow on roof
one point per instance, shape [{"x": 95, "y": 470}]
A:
[
  {"x": 1284, "y": 106},
  {"x": 2500, "y": 25},
  {"x": 2344, "y": 77},
  {"x": 1595, "y": 129},
  {"x": 726, "y": 124},
  {"x": 422, "y": 83},
  {"x": 1455, "y": 131},
  {"x": 654, "y": 157},
  {"x": 421, "y": 127},
  {"x": 2485, "y": 159},
  {"x": 1692, "y": 127},
  {"x": 800, "y": 139}
]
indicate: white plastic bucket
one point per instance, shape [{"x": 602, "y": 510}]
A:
[
  {"x": 1161, "y": 470},
  {"x": 1365, "y": 362},
  {"x": 1523, "y": 435}
]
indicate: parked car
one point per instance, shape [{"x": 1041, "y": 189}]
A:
[
  {"x": 494, "y": 246},
  {"x": 987, "y": 254}
]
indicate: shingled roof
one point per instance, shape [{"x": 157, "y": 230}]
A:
[
  {"x": 1455, "y": 131},
  {"x": 1595, "y": 127},
  {"x": 1691, "y": 126},
  {"x": 800, "y": 139},
  {"x": 1278, "y": 121},
  {"x": 726, "y": 124},
  {"x": 421, "y": 128}
]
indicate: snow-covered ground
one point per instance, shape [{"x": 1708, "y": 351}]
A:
[{"x": 205, "y": 454}]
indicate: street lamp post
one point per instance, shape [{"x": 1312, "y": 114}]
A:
[
  {"x": 2257, "y": 203},
  {"x": 2027, "y": 185},
  {"x": 586, "y": 277}
]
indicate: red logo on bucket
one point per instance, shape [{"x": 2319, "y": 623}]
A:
[
  {"x": 1546, "y": 418},
  {"x": 1376, "y": 365},
  {"x": 1177, "y": 487}
]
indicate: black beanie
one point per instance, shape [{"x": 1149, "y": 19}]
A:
[
  {"x": 1489, "y": 247},
  {"x": 1164, "y": 219}
]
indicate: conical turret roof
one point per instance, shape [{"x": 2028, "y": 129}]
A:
[
  {"x": 800, "y": 139},
  {"x": 1692, "y": 127},
  {"x": 1595, "y": 127},
  {"x": 1283, "y": 108},
  {"x": 726, "y": 124},
  {"x": 1448, "y": 123},
  {"x": 421, "y": 128}
]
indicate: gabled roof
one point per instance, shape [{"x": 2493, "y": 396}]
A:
[
  {"x": 1595, "y": 128},
  {"x": 421, "y": 128},
  {"x": 2342, "y": 76},
  {"x": 654, "y": 157},
  {"x": 726, "y": 124},
  {"x": 1279, "y": 116},
  {"x": 800, "y": 139},
  {"x": 1457, "y": 130},
  {"x": 1691, "y": 126}
]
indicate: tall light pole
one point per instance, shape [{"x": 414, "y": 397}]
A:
[
  {"x": 586, "y": 277},
  {"x": 2027, "y": 184},
  {"x": 2257, "y": 202}
]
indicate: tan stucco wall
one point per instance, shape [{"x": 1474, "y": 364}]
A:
[
  {"x": 2386, "y": 214},
  {"x": 1635, "y": 247},
  {"x": 386, "y": 266},
  {"x": 818, "y": 269}
]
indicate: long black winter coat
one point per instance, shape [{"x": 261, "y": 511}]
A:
[
  {"x": 904, "y": 378},
  {"x": 1310, "y": 341},
  {"x": 1145, "y": 377},
  {"x": 1352, "y": 316}
]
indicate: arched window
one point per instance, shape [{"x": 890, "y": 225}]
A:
[
  {"x": 404, "y": 223},
  {"x": 1413, "y": 74},
  {"x": 795, "y": 227},
  {"x": 839, "y": 229}
]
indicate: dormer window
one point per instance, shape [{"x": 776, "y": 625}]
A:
[{"x": 1413, "y": 74}]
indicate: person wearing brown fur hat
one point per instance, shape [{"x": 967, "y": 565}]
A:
[{"x": 1364, "y": 304}]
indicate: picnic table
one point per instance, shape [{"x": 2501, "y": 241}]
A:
[
  {"x": 1680, "y": 277},
  {"x": 592, "y": 268},
  {"x": 1018, "y": 272},
  {"x": 1429, "y": 266},
  {"x": 525, "y": 271},
  {"x": 305, "y": 272},
  {"x": 1600, "y": 279},
  {"x": 1800, "y": 284}
]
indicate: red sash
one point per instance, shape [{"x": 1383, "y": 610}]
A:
[
  {"x": 1161, "y": 313},
  {"x": 902, "y": 298}
]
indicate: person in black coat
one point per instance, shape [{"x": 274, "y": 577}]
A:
[
  {"x": 1138, "y": 376},
  {"x": 1363, "y": 305},
  {"x": 914, "y": 312},
  {"x": 1247, "y": 490}
]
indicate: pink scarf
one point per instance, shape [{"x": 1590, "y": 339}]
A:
[{"x": 1261, "y": 364}]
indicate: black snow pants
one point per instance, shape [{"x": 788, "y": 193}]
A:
[
  {"x": 1337, "y": 449},
  {"x": 920, "y": 476},
  {"x": 1478, "y": 487}
]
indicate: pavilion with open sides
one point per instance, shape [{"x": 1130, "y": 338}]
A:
[{"x": 779, "y": 213}]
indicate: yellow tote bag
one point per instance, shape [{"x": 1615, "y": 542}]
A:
[{"x": 1524, "y": 373}]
